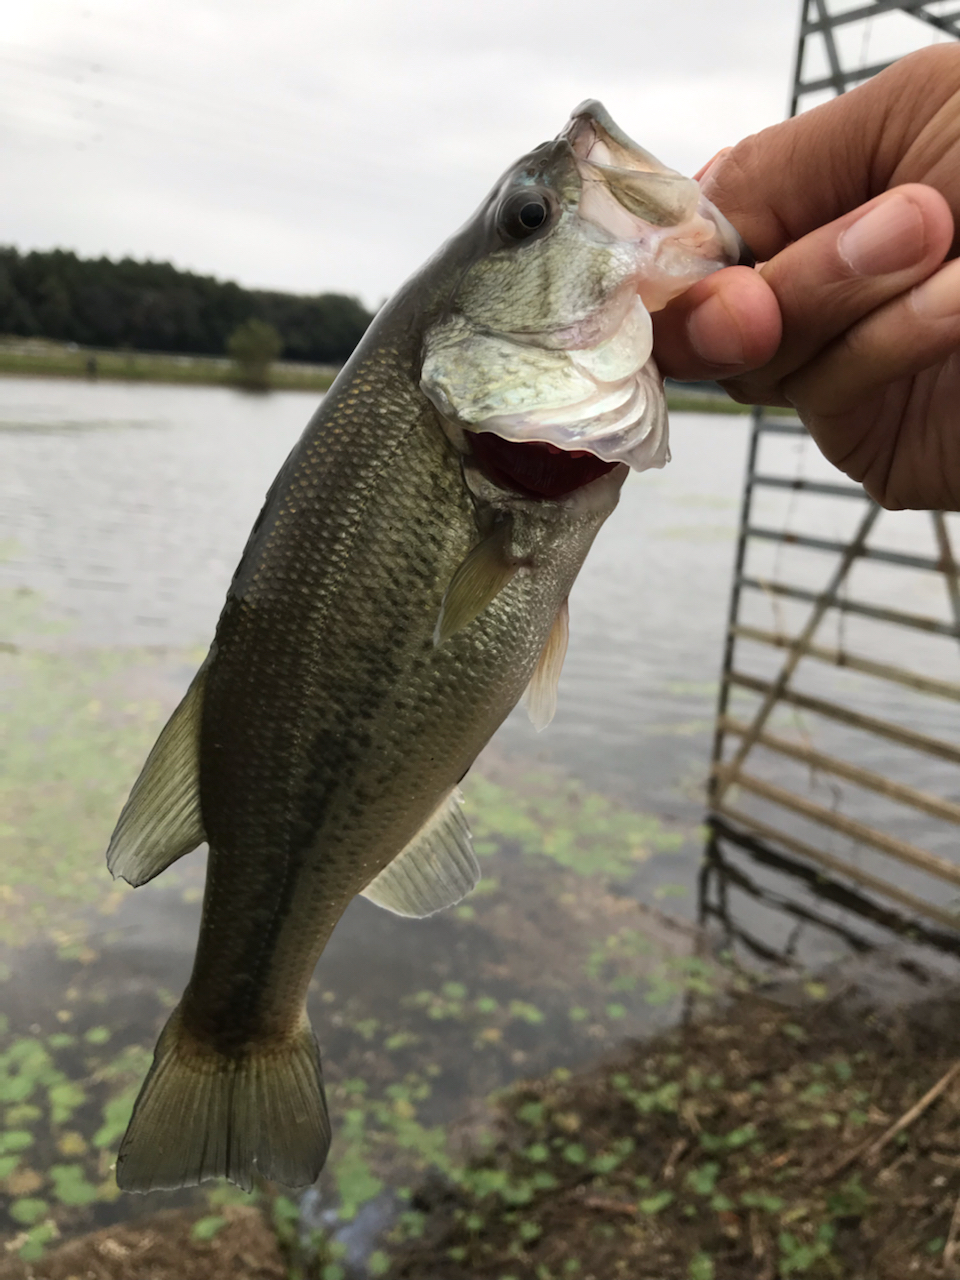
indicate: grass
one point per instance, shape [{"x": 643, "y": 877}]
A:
[
  {"x": 703, "y": 402},
  {"x": 41, "y": 359}
]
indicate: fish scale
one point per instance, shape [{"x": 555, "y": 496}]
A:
[{"x": 363, "y": 611}]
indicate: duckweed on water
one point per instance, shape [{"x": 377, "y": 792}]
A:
[
  {"x": 70, "y": 757},
  {"x": 732, "y": 1150},
  {"x": 78, "y": 728},
  {"x": 560, "y": 819},
  {"x": 45, "y": 1087},
  {"x": 66, "y": 1096},
  {"x": 81, "y": 725}
]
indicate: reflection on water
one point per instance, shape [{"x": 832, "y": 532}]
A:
[
  {"x": 123, "y": 511},
  {"x": 787, "y": 914}
]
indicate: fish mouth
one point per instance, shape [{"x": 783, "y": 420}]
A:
[
  {"x": 534, "y": 468},
  {"x": 627, "y": 191}
]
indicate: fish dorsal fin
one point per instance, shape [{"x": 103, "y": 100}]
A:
[
  {"x": 161, "y": 821},
  {"x": 540, "y": 695},
  {"x": 485, "y": 571},
  {"x": 435, "y": 870}
]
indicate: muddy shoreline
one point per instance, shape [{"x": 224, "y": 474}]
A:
[{"x": 808, "y": 1134}]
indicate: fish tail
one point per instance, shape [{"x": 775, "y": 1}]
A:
[{"x": 203, "y": 1114}]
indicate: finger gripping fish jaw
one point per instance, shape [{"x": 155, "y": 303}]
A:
[{"x": 550, "y": 340}]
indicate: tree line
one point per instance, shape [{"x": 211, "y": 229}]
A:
[{"x": 151, "y": 306}]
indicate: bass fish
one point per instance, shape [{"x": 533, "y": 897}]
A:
[{"x": 404, "y": 584}]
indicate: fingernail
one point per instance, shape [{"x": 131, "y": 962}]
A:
[
  {"x": 939, "y": 297},
  {"x": 713, "y": 333},
  {"x": 888, "y": 238}
]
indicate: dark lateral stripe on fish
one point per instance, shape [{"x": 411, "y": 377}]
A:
[{"x": 534, "y": 469}]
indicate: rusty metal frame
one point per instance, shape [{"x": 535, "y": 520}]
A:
[
  {"x": 730, "y": 772},
  {"x": 736, "y": 737}
]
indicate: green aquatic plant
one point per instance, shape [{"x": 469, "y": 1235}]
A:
[
  {"x": 550, "y": 817},
  {"x": 381, "y": 1131},
  {"x": 701, "y": 1267},
  {"x": 73, "y": 743},
  {"x": 682, "y": 975},
  {"x": 652, "y": 1205},
  {"x": 46, "y": 1082},
  {"x": 798, "y": 1256},
  {"x": 207, "y": 1227},
  {"x": 614, "y": 960},
  {"x": 81, "y": 726},
  {"x": 26, "y": 616},
  {"x": 28, "y": 1211},
  {"x": 70, "y": 1185}
]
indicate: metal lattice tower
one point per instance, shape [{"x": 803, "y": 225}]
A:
[
  {"x": 836, "y": 751},
  {"x": 822, "y": 21}
]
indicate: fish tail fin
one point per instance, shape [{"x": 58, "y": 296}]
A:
[{"x": 203, "y": 1114}]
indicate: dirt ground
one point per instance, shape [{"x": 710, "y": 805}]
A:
[
  {"x": 767, "y": 1142},
  {"x": 764, "y": 1143},
  {"x": 166, "y": 1246}
]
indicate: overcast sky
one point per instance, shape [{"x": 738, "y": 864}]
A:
[{"x": 311, "y": 146}]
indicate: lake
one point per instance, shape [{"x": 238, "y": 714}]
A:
[{"x": 123, "y": 511}]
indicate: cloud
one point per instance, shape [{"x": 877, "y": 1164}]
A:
[{"x": 313, "y": 147}]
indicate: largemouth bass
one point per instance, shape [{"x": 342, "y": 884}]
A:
[{"x": 404, "y": 584}]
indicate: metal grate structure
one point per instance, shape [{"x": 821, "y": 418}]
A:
[
  {"x": 837, "y": 746},
  {"x": 823, "y": 23}
]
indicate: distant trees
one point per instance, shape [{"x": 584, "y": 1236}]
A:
[
  {"x": 151, "y": 306},
  {"x": 254, "y": 345}
]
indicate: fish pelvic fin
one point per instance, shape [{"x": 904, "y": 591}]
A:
[
  {"x": 203, "y": 1114},
  {"x": 435, "y": 870},
  {"x": 161, "y": 820},
  {"x": 540, "y": 695},
  {"x": 484, "y": 572}
]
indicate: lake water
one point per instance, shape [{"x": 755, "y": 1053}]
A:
[
  {"x": 123, "y": 511},
  {"x": 126, "y": 509}
]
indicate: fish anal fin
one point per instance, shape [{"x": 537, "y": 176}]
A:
[
  {"x": 161, "y": 820},
  {"x": 540, "y": 695},
  {"x": 484, "y": 572},
  {"x": 435, "y": 870},
  {"x": 202, "y": 1114}
]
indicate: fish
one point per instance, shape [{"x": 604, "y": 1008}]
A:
[{"x": 404, "y": 586}]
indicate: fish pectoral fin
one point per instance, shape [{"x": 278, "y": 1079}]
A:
[
  {"x": 540, "y": 695},
  {"x": 203, "y": 1114},
  {"x": 485, "y": 571},
  {"x": 435, "y": 870},
  {"x": 161, "y": 820}
]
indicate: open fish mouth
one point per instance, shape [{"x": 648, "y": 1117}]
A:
[
  {"x": 567, "y": 367},
  {"x": 534, "y": 468}
]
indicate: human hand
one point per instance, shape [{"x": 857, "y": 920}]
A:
[{"x": 852, "y": 319}]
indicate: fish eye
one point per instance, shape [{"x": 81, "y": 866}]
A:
[{"x": 523, "y": 214}]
